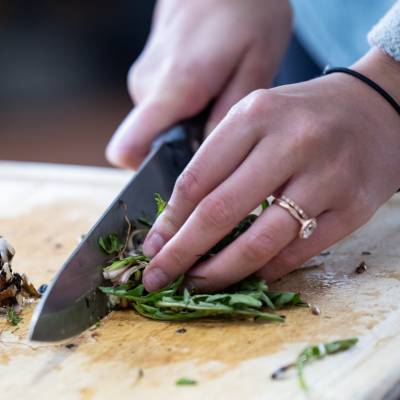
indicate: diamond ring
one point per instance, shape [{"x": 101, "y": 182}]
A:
[{"x": 307, "y": 225}]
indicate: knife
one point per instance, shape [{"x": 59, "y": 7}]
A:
[{"x": 72, "y": 302}]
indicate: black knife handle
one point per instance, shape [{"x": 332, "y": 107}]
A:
[{"x": 189, "y": 131}]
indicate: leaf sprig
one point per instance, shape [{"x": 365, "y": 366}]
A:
[
  {"x": 246, "y": 300},
  {"x": 250, "y": 298},
  {"x": 12, "y": 317},
  {"x": 313, "y": 353}
]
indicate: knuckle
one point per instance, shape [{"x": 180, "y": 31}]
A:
[
  {"x": 188, "y": 79},
  {"x": 177, "y": 258},
  {"x": 258, "y": 248},
  {"x": 255, "y": 103},
  {"x": 217, "y": 212},
  {"x": 168, "y": 223},
  {"x": 187, "y": 185}
]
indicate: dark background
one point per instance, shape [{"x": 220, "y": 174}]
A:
[{"x": 63, "y": 68}]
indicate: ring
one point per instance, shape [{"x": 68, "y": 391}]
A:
[{"x": 307, "y": 225}]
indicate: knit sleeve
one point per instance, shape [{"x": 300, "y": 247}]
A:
[{"x": 386, "y": 34}]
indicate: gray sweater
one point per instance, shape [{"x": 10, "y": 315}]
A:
[{"x": 386, "y": 34}]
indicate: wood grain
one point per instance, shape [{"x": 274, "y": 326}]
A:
[{"x": 48, "y": 207}]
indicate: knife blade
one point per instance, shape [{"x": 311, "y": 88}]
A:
[{"x": 72, "y": 302}]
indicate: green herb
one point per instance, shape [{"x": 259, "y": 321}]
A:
[
  {"x": 186, "y": 382},
  {"x": 232, "y": 236},
  {"x": 160, "y": 203},
  {"x": 110, "y": 244},
  {"x": 314, "y": 353},
  {"x": 12, "y": 317},
  {"x": 264, "y": 204},
  {"x": 250, "y": 298}
]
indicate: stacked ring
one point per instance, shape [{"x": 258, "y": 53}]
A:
[{"x": 307, "y": 225}]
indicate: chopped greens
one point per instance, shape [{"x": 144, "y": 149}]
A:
[
  {"x": 110, "y": 244},
  {"x": 12, "y": 317},
  {"x": 186, "y": 382},
  {"x": 160, "y": 203},
  {"x": 314, "y": 353},
  {"x": 250, "y": 298}
]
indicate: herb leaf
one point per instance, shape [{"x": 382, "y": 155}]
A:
[
  {"x": 160, "y": 203},
  {"x": 186, "y": 382},
  {"x": 12, "y": 317},
  {"x": 110, "y": 244},
  {"x": 312, "y": 353},
  {"x": 248, "y": 299}
]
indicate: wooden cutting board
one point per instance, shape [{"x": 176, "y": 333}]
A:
[{"x": 43, "y": 211}]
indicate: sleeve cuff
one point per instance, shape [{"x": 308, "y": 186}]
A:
[{"x": 386, "y": 34}]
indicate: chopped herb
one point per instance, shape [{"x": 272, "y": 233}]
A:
[
  {"x": 70, "y": 346},
  {"x": 186, "y": 382},
  {"x": 248, "y": 299},
  {"x": 110, "y": 244},
  {"x": 12, "y": 317},
  {"x": 181, "y": 330},
  {"x": 265, "y": 204},
  {"x": 314, "y": 353},
  {"x": 160, "y": 203}
]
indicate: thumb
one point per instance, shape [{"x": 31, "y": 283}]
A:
[{"x": 133, "y": 138}]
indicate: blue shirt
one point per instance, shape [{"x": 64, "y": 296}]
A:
[{"x": 335, "y": 31}]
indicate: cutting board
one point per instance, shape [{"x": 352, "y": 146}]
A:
[{"x": 43, "y": 211}]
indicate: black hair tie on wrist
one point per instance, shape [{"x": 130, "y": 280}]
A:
[{"x": 369, "y": 82}]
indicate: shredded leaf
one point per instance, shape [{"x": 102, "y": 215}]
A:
[
  {"x": 110, "y": 244},
  {"x": 12, "y": 317},
  {"x": 160, "y": 203},
  {"x": 313, "y": 353},
  {"x": 250, "y": 298},
  {"x": 264, "y": 204},
  {"x": 186, "y": 382}
]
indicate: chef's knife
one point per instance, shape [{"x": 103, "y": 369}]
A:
[{"x": 73, "y": 302}]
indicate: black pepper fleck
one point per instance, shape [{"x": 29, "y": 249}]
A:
[{"x": 361, "y": 268}]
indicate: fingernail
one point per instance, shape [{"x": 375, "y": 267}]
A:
[
  {"x": 153, "y": 244},
  {"x": 154, "y": 279}
]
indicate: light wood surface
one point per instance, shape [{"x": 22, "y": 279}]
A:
[{"x": 44, "y": 209}]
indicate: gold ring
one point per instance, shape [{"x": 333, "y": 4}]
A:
[{"x": 307, "y": 225}]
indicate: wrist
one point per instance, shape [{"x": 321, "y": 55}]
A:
[{"x": 382, "y": 69}]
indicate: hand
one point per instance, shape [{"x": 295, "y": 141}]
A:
[
  {"x": 331, "y": 144},
  {"x": 199, "y": 50}
]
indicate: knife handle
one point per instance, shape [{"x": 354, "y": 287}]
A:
[{"x": 189, "y": 131}]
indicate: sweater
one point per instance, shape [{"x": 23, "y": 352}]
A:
[{"x": 386, "y": 34}]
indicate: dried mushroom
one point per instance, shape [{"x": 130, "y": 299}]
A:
[{"x": 14, "y": 288}]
